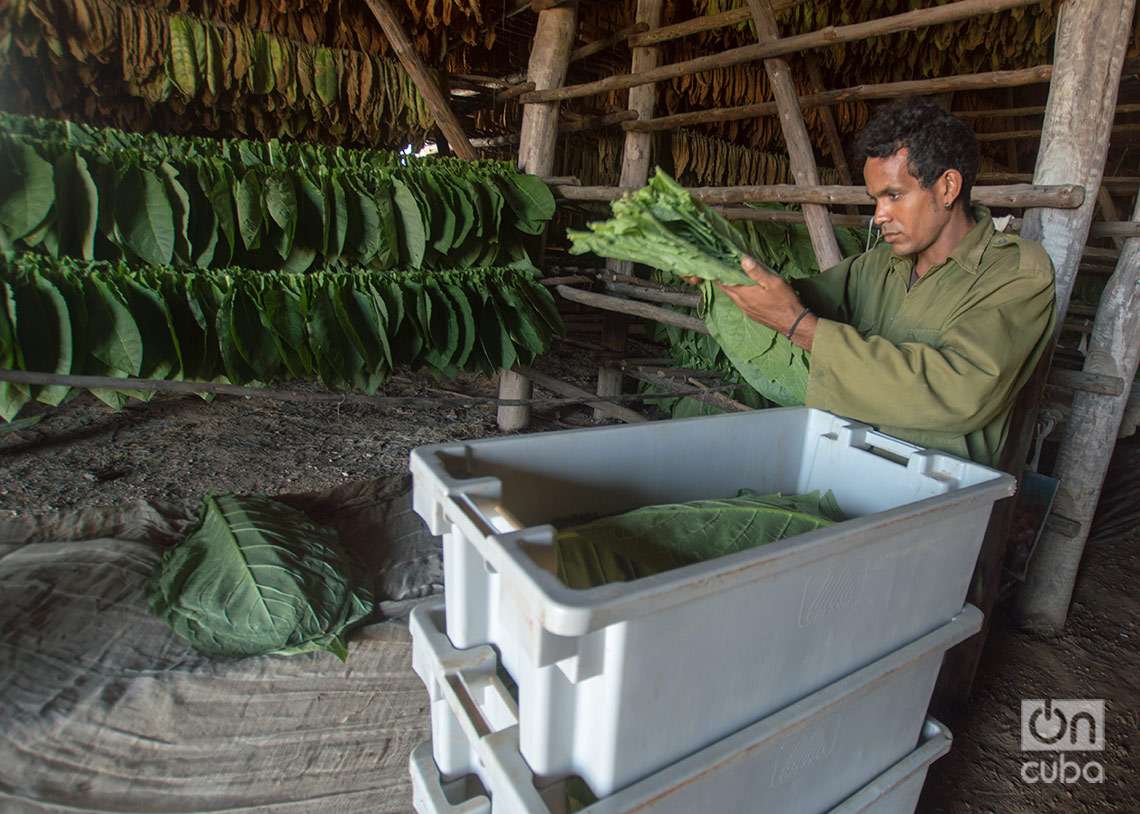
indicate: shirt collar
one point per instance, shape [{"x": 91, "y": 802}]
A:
[{"x": 968, "y": 253}]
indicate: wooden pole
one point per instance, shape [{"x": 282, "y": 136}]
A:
[
  {"x": 796, "y": 136},
  {"x": 1034, "y": 110},
  {"x": 425, "y": 83},
  {"x": 636, "y": 309},
  {"x": 566, "y": 389},
  {"x": 710, "y": 22},
  {"x": 1091, "y": 39},
  {"x": 1062, "y": 196},
  {"x": 1018, "y": 135},
  {"x": 832, "y": 35},
  {"x": 635, "y": 158},
  {"x": 885, "y": 90},
  {"x": 1086, "y": 447},
  {"x": 605, "y": 43},
  {"x": 549, "y": 58},
  {"x": 1127, "y": 184},
  {"x": 830, "y": 129}
]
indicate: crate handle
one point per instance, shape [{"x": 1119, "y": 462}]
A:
[{"x": 460, "y": 692}]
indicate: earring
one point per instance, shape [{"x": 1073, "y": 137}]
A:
[{"x": 949, "y": 205}]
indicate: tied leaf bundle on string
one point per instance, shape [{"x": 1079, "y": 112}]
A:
[{"x": 664, "y": 227}]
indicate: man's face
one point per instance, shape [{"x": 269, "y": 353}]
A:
[{"x": 909, "y": 217}]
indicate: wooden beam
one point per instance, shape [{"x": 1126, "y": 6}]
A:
[
  {"x": 885, "y": 90},
  {"x": 709, "y": 22},
  {"x": 637, "y": 292},
  {"x": 796, "y": 137},
  {"x": 832, "y": 35},
  {"x": 1060, "y": 196},
  {"x": 1108, "y": 209},
  {"x": 667, "y": 383},
  {"x": 606, "y": 43},
  {"x": 1124, "y": 228},
  {"x": 1033, "y": 110},
  {"x": 549, "y": 59},
  {"x": 424, "y": 81},
  {"x": 1127, "y": 184},
  {"x": 636, "y": 309},
  {"x": 1018, "y": 135},
  {"x": 1089, "y": 382},
  {"x": 564, "y": 126},
  {"x": 566, "y": 389}
]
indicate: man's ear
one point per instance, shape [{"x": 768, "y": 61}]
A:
[{"x": 951, "y": 187}]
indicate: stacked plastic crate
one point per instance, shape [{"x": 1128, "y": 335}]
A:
[{"x": 793, "y": 677}]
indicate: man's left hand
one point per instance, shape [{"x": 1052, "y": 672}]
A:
[{"x": 771, "y": 301}]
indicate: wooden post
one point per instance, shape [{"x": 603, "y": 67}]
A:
[
  {"x": 410, "y": 59},
  {"x": 795, "y": 136},
  {"x": 1086, "y": 447},
  {"x": 549, "y": 57},
  {"x": 1090, "y": 44},
  {"x": 634, "y": 173}
]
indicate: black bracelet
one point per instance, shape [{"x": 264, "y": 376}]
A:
[{"x": 796, "y": 324}]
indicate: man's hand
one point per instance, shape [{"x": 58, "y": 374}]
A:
[{"x": 771, "y": 302}]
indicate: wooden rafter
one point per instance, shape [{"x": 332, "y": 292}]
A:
[{"x": 424, "y": 81}]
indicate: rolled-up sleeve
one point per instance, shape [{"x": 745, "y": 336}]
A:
[{"x": 957, "y": 385}]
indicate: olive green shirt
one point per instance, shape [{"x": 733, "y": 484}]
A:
[{"x": 940, "y": 364}]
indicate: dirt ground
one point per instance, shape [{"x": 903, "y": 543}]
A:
[{"x": 177, "y": 449}]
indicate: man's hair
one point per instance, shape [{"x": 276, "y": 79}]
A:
[{"x": 935, "y": 142}]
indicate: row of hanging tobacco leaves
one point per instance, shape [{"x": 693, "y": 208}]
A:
[
  {"x": 201, "y": 74},
  {"x": 102, "y": 194},
  {"x": 192, "y": 259}
]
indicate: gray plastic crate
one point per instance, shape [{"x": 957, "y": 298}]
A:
[
  {"x": 600, "y": 690},
  {"x": 849, "y": 747}
]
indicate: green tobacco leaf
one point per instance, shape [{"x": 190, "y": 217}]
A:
[
  {"x": 144, "y": 216},
  {"x": 253, "y": 341},
  {"x": 444, "y": 328},
  {"x": 113, "y": 335},
  {"x": 250, "y": 207},
  {"x": 257, "y": 577},
  {"x": 182, "y": 62},
  {"x": 655, "y": 539},
  {"x": 468, "y": 334},
  {"x": 284, "y": 314},
  {"x": 531, "y": 201},
  {"x": 362, "y": 238},
  {"x": 413, "y": 239},
  {"x": 766, "y": 359},
  {"x": 325, "y": 77},
  {"x": 77, "y": 206},
  {"x": 161, "y": 356},
  {"x": 12, "y": 396},
  {"x": 336, "y": 210},
  {"x": 281, "y": 204},
  {"x": 43, "y": 329},
  {"x": 312, "y": 225},
  {"x": 27, "y": 189},
  {"x": 180, "y": 204}
]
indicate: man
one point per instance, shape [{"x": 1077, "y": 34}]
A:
[{"x": 930, "y": 335}]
